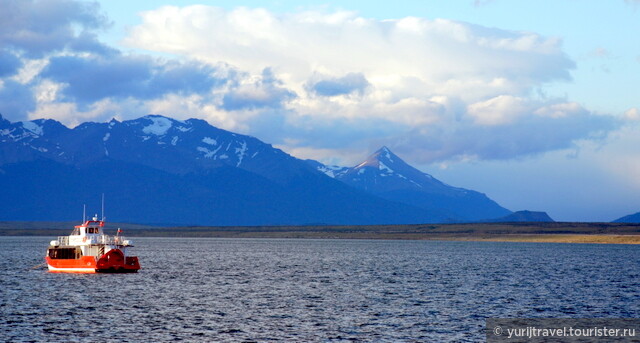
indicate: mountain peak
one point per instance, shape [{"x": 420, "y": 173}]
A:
[
  {"x": 384, "y": 164},
  {"x": 383, "y": 149},
  {"x": 384, "y": 160},
  {"x": 385, "y": 154},
  {"x": 386, "y": 175},
  {"x": 4, "y": 123}
]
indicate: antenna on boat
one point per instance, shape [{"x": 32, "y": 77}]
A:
[
  {"x": 84, "y": 213},
  {"x": 102, "y": 206}
]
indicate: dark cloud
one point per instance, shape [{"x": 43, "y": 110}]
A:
[
  {"x": 9, "y": 63},
  {"x": 531, "y": 135},
  {"x": 501, "y": 128},
  {"x": 37, "y": 27},
  {"x": 16, "y": 100},
  {"x": 350, "y": 83},
  {"x": 88, "y": 42},
  {"x": 89, "y": 79},
  {"x": 280, "y": 128},
  {"x": 188, "y": 78},
  {"x": 267, "y": 92}
]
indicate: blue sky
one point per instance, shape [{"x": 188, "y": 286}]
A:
[{"x": 535, "y": 103}]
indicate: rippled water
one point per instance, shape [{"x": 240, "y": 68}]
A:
[{"x": 202, "y": 290}]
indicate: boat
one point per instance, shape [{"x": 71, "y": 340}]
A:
[{"x": 88, "y": 250}]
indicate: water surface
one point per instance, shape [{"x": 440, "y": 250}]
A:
[{"x": 229, "y": 290}]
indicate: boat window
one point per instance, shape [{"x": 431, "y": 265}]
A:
[{"x": 65, "y": 253}]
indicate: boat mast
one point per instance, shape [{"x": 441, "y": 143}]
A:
[
  {"x": 102, "y": 206},
  {"x": 84, "y": 213}
]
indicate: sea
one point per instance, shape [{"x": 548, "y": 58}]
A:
[{"x": 298, "y": 290}]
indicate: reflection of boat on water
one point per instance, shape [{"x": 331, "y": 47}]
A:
[{"x": 89, "y": 250}]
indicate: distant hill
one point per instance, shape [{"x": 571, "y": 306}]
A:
[
  {"x": 158, "y": 170},
  {"x": 521, "y": 217},
  {"x": 386, "y": 175},
  {"x": 632, "y": 218}
]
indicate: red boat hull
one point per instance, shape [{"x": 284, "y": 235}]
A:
[{"x": 113, "y": 261}]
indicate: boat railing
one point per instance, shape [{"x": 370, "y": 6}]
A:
[
  {"x": 98, "y": 239},
  {"x": 110, "y": 240}
]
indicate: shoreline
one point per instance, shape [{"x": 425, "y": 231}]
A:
[
  {"x": 556, "y": 238},
  {"x": 531, "y": 232}
]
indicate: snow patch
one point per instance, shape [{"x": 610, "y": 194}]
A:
[
  {"x": 384, "y": 168},
  {"x": 388, "y": 156},
  {"x": 208, "y": 153},
  {"x": 327, "y": 172},
  {"x": 184, "y": 129},
  {"x": 32, "y": 127},
  {"x": 25, "y": 134},
  {"x": 361, "y": 171},
  {"x": 241, "y": 151},
  {"x": 174, "y": 140},
  {"x": 106, "y": 137},
  {"x": 332, "y": 171},
  {"x": 145, "y": 138},
  {"x": 159, "y": 127},
  {"x": 39, "y": 149},
  {"x": 210, "y": 141},
  {"x": 224, "y": 156}
]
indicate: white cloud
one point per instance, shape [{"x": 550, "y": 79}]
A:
[
  {"x": 503, "y": 109},
  {"x": 71, "y": 115},
  {"x": 348, "y": 81},
  {"x": 322, "y": 83},
  {"x": 300, "y": 44}
]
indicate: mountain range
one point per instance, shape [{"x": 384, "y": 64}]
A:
[
  {"x": 158, "y": 170},
  {"x": 387, "y": 176}
]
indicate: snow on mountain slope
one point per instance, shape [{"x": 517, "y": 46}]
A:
[
  {"x": 386, "y": 175},
  {"x": 384, "y": 171},
  {"x": 241, "y": 178},
  {"x": 155, "y": 141},
  {"x": 25, "y": 141},
  {"x": 165, "y": 171}
]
